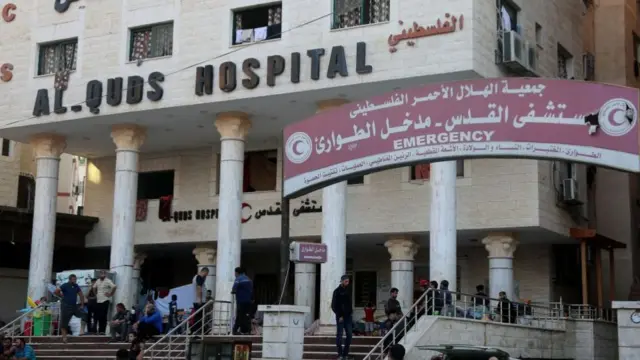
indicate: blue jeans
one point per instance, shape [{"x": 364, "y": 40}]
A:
[{"x": 346, "y": 325}]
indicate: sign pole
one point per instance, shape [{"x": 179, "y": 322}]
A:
[{"x": 284, "y": 241}]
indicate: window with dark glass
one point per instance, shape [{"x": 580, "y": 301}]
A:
[
  {"x": 365, "y": 288},
  {"x": 507, "y": 16},
  {"x": 155, "y": 184},
  {"x": 350, "y": 13},
  {"x": 151, "y": 41},
  {"x": 260, "y": 171},
  {"x": 257, "y": 24},
  {"x": 423, "y": 171},
  {"x": 26, "y": 192},
  {"x": 565, "y": 63},
  {"x": 57, "y": 56},
  {"x": 6, "y": 147},
  {"x": 356, "y": 180}
]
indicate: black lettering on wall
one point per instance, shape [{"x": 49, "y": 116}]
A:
[
  {"x": 94, "y": 96},
  {"x": 315, "y": 55},
  {"x": 361, "y": 59},
  {"x": 227, "y": 77},
  {"x": 156, "y": 91},
  {"x": 62, "y": 5},
  {"x": 295, "y": 67},
  {"x": 41, "y": 105},
  {"x": 337, "y": 63},
  {"x": 253, "y": 79},
  {"x": 204, "y": 80},
  {"x": 135, "y": 86},
  {"x": 58, "y": 108},
  {"x": 114, "y": 91},
  {"x": 275, "y": 67}
]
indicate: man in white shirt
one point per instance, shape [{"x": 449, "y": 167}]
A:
[
  {"x": 200, "y": 288},
  {"x": 104, "y": 289}
]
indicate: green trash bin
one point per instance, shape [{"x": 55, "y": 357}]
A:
[{"x": 41, "y": 323}]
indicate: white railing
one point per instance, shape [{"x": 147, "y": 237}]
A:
[
  {"x": 214, "y": 318},
  {"x": 39, "y": 321},
  {"x": 466, "y": 306}
]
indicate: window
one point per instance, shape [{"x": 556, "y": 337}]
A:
[
  {"x": 154, "y": 185},
  {"x": 151, "y": 42},
  {"x": 260, "y": 171},
  {"x": 26, "y": 192},
  {"x": 507, "y": 16},
  {"x": 636, "y": 55},
  {"x": 58, "y": 56},
  {"x": 6, "y": 147},
  {"x": 565, "y": 63},
  {"x": 423, "y": 171},
  {"x": 358, "y": 180},
  {"x": 539, "y": 35},
  {"x": 257, "y": 24},
  {"x": 365, "y": 288},
  {"x": 350, "y": 13}
]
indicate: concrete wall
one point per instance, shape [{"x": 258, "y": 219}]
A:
[
  {"x": 591, "y": 340},
  {"x": 14, "y": 285},
  {"x": 519, "y": 341}
]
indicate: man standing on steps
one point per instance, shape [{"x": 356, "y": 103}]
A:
[
  {"x": 243, "y": 290},
  {"x": 343, "y": 308},
  {"x": 104, "y": 289},
  {"x": 200, "y": 296},
  {"x": 69, "y": 307}
]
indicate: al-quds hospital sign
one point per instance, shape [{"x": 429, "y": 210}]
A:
[{"x": 516, "y": 117}]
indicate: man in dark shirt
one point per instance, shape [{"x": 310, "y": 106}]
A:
[
  {"x": 393, "y": 308},
  {"x": 119, "y": 324},
  {"x": 69, "y": 306},
  {"x": 343, "y": 308},
  {"x": 243, "y": 290}
]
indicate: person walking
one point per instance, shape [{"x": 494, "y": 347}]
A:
[
  {"x": 69, "y": 306},
  {"x": 104, "y": 289},
  {"x": 243, "y": 290},
  {"x": 343, "y": 309}
]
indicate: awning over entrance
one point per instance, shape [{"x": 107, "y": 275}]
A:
[
  {"x": 598, "y": 242},
  {"x": 16, "y": 225}
]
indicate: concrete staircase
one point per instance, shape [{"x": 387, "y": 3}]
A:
[{"x": 98, "y": 348}]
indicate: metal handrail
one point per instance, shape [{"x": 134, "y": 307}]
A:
[
  {"x": 396, "y": 326},
  {"x": 19, "y": 319},
  {"x": 205, "y": 323},
  {"x": 173, "y": 331}
]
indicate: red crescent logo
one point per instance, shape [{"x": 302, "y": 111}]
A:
[{"x": 245, "y": 205}]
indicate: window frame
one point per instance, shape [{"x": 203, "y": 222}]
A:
[
  {"x": 6, "y": 145},
  {"x": 134, "y": 30},
  {"x": 56, "y": 44},
  {"x": 144, "y": 173},
  {"x": 365, "y": 6},
  {"x": 234, "y": 27},
  {"x": 352, "y": 282},
  {"x": 246, "y": 154},
  {"x": 568, "y": 62},
  {"x": 460, "y": 165}
]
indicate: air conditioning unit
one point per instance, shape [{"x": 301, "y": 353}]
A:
[
  {"x": 515, "y": 53},
  {"x": 570, "y": 195},
  {"x": 589, "y": 66}
]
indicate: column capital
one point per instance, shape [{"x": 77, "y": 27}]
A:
[
  {"x": 138, "y": 260},
  {"x": 128, "y": 136},
  {"x": 401, "y": 248},
  {"x": 233, "y": 124},
  {"x": 500, "y": 245},
  {"x": 205, "y": 255},
  {"x": 324, "y": 105},
  {"x": 48, "y": 145}
]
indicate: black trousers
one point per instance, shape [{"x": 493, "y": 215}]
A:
[
  {"x": 243, "y": 319},
  {"x": 199, "y": 319},
  {"x": 102, "y": 309},
  {"x": 92, "y": 316},
  {"x": 146, "y": 331}
]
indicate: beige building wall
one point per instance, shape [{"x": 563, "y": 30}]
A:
[
  {"x": 10, "y": 167},
  {"x": 611, "y": 29}
]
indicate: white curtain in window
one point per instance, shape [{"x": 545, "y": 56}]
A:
[{"x": 379, "y": 11}]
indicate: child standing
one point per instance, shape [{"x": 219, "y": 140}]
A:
[
  {"x": 369, "y": 319},
  {"x": 173, "y": 312}
]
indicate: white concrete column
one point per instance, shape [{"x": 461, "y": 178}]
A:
[
  {"x": 501, "y": 247},
  {"x": 128, "y": 139},
  {"x": 138, "y": 260},
  {"x": 402, "y": 250},
  {"x": 305, "y": 294},
  {"x": 233, "y": 128},
  {"x": 206, "y": 257},
  {"x": 47, "y": 149},
  {"x": 442, "y": 232},
  {"x": 334, "y": 235}
]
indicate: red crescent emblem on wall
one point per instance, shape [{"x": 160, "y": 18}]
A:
[{"x": 245, "y": 205}]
